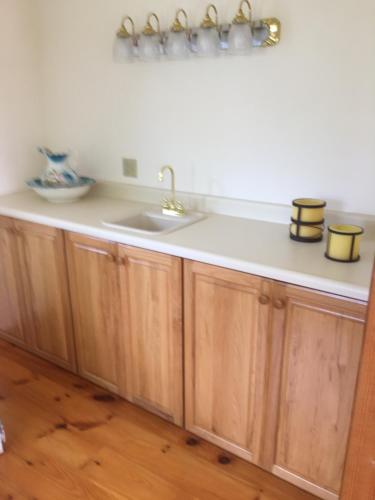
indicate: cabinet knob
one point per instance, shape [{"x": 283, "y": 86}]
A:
[
  {"x": 121, "y": 261},
  {"x": 279, "y": 304},
  {"x": 264, "y": 300},
  {"x": 110, "y": 257}
]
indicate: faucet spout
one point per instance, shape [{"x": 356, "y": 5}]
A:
[
  {"x": 173, "y": 179},
  {"x": 170, "y": 205}
]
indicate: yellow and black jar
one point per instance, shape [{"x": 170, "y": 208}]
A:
[
  {"x": 343, "y": 243},
  {"x": 306, "y": 232},
  {"x": 307, "y": 220}
]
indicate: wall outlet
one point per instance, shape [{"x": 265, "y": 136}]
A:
[{"x": 130, "y": 167}]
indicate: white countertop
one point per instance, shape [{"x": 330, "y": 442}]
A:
[{"x": 251, "y": 246}]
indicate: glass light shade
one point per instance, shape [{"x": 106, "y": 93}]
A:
[
  {"x": 240, "y": 39},
  {"x": 208, "y": 42},
  {"x": 177, "y": 45},
  {"x": 149, "y": 47},
  {"x": 123, "y": 49}
]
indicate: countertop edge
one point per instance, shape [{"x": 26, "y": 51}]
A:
[{"x": 278, "y": 274}]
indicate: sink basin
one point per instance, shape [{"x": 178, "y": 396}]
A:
[{"x": 154, "y": 222}]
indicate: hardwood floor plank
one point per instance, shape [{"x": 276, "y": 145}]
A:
[
  {"x": 42, "y": 478},
  {"x": 68, "y": 439}
]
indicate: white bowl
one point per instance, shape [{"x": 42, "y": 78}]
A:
[{"x": 60, "y": 194}]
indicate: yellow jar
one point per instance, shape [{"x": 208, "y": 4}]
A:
[
  {"x": 305, "y": 232},
  {"x": 308, "y": 210},
  {"x": 343, "y": 243}
]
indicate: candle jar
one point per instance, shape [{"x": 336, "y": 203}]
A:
[
  {"x": 308, "y": 210},
  {"x": 343, "y": 243},
  {"x": 307, "y": 233},
  {"x": 307, "y": 220}
]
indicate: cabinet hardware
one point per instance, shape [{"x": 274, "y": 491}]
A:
[
  {"x": 264, "y": 300},
  {"x": 279, "y": 304},
  {"x": 121, "y": 261},
  {"x": 110, "y": 257}
]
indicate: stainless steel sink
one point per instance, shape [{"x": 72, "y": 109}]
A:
[{"x": 154, "y": 222}]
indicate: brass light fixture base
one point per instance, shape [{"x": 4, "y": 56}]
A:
[
  {"x": 274, "y": 28},
  {"x": 123, "y": 32},
  {"x": 177, "y": 26},
  {"x": 149, "y": 30}
]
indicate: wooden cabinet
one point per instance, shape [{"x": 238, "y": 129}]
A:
[
  {"x": 127, "y": 305},
  {"x": 270, "y": 369},
  {"x": 270, "y": 373},
  {"x": 11, "y": 292},
  {"x": 44, "y": 276},
  {"x": 317, "y": 370},
  {"x": 34, "y": 298},
  {"x": 95, "y": 294},
  {"x": 226, "y": 331},
  {"x": 151, "y": 330},
  {"x": 43, "y": 271}
]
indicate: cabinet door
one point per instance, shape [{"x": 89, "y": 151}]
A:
[
  {"x": 320, "y": 360},
  {"x": 226, "y": 333},
  {"x": 151, "y": 291},
  {"x": 44, "y": 275},
  {"x": 93, "y": 275},
  {"x": 11, "y": 297}
]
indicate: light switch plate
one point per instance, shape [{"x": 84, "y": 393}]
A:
[{"x": 130, "y": 167}]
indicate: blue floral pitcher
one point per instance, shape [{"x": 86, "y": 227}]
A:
[{"x": 58, "y": 171}]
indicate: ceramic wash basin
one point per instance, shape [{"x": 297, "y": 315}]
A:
[{"x": 154, "y": 222}]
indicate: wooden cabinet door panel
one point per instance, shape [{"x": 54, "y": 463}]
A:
[
  {"x": 11, "y": 296},
  {"x": 226, "y": 330},
  {"x": 44, "y": 275},
  {"x": 93, "y": 275},
  {"x": 322, "y": 347},
  {"x": 151, "y": 291}
]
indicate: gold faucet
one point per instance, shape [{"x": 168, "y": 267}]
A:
[{"x": 171, "y": 206}]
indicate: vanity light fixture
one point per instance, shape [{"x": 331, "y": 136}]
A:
[
  {"x": 209, "y": 39},
  {"x": 150, "y": 41},
  {"x": 177, "y": 45},
  {"x": 240, "y": 33},
  {"x": 123, "y": 50}
]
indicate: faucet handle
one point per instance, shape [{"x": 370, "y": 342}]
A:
[
  {"x": 180, "y": 208},
  {"x": 166, "y": 203}
]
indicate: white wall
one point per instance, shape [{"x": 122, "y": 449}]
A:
[
  {"x": 295, "y": 120},
  {"x": 20, "y": 125}
]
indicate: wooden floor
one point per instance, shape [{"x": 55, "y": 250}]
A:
[{"x": 67, "y": 439}]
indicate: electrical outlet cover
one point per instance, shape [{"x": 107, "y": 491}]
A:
[{"x": 130, "y": 167}]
